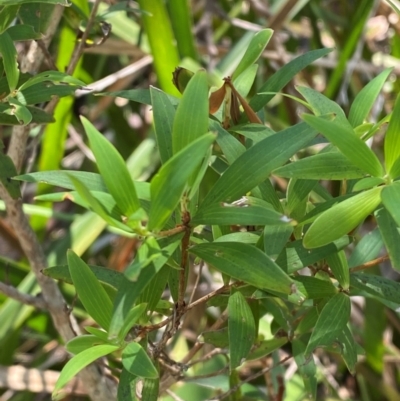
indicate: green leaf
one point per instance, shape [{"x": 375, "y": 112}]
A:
[
  {"x": 257, "y": 45},
  {"x": 255, "y": 165},
  {"x": 378, "y": 286},
  {"x": 38, "y": 116},
  {"x": 246, "y": 263},
  {"x": 283, "y": 76},
  {"x": 340, "y": 268},
  {"x": 218, "y": 338},
  {"x": 323, "y": 166},
  {"x": 101, "y": 334},
  {"x": 80, "y": 361},
  {"x": 348, "y": 348},
  {"x": 168, "y": 185},
  {"x": 23, "y": 32},
  {"x": 366, "y": 98},
  {"x": 191, "y": 118},
  {"x": 92, "y": 181},
  {"x": 331, "y": 321},
  {"x": 113, "y": 170},
  {"x": 391, "y": 200},
  {"x": 36, "y": 16},
  {"x": 390, "y": 235},
  {"x": 392, "y": 138},
  {"x": 241, "y": 328},
  {"x": 157, "y": 26},
  {"x": 18, "y": 110},
  {"x": 52, "y": 76},
  {"x": 242, "y": 212},
  {"x": 7, "y": 16},
  {"x": 142, "y": 96},
  {"x": 92, "y": 295},
  {"x": 127, "y": 386},
  {"x": 82, "y": 343},
  {"x": 321, "y": 105},
  {"x": 367, "y": 183},
  {"x": 163, "y": 115},
  {"x": 314, "y": 287},
  {"x": 297, "y": 194},
  {"x": 90, "y": 201},
  {"x": 294, "y": 257},
  {"x": 43, "y": 92},
  {"x": 368, "y": 248},
  {"x": 275, "y": 238},
  {"x": 136, "y": 361},
  {"x": 150, "y": 389},
  {"x": 133, "y": 316},
  {"x": 7, "y": 171},
  {"x": 266, "y": 347},
  {"x": 344, "y": 137},
  {"x": 9, "y": 54},
  {"x": 103, "y": 274},
  {"x": 341, "y": 218}
]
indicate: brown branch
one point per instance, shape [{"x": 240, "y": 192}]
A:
[
  {"x": 80, "y": 46},
  {"x": 14, "y": 293},
  {"x": 369, "y": 264},
  {"x": 212, "y": 294},
  {"x": 99, "y": 387}
]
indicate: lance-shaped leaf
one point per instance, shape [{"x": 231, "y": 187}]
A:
[
  {"x": 169, "y": 183},
  {"x": 246, "y": 263},
  {"x": 342, "y": 218},
  {"x": 136, "y": 361},
  {"x": 7, "y": 171},
  {"x": 390, "y": 235},
  {"x": 163, "y": 115},
  {"x": 392, "y": 138},
  {"x": 321, "y": 105},
  {"x": 246, "y": 211},
  {"x": 9, "y": 55},
  {"x": 241, "y": 329},
  {"x": 378, "y": 286},
  {"x": 254, "y": 51},
  {"x": 323, "y": 166},
  {"x": 340, "y": 268},
  {"x": 191, "y": 118},
  {"x": 391, "y": 200},
  {"x": 80, "y": 361},
  {"x": 255, "y": 165},
  {"x": 282, "y": 77},
  {"x": 113, "y": 170},
  {"x": 331, "y": 321},
  {"x": 52, "y": 76},
  {"x": 294, "y": 256},
  {"x": 343, "y": 136},
  {"x": 365, "y": 99},
  {"x": 91, "y": 293}
]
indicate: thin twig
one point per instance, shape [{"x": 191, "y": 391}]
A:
[
  {"x": 80, "y": 46},
  {"x": 196, "y": 284},
  {"x": 249, "y": 379},
  {"x": 369, "y": 264},
  {"x": 211, "y": 354},
  {"x": 212, "y": 294},
  {"x": 26, "y": 299},
  {"x": 212, "y": 374}
]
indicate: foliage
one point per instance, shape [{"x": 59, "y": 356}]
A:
[{"x": 231, "y": 197}]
